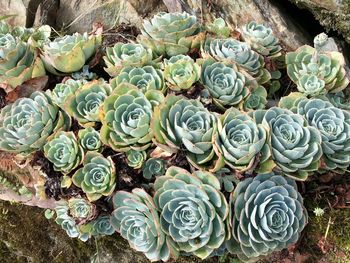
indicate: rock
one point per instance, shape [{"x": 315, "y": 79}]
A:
[
  {"x": 332, "y": 14},
  {"x": 74, "y": 15},
  {"x": 16, "y": 8},
  {"x": 239, "y": 12}
]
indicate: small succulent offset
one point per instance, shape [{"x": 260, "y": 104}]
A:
[
  {"x": 227, "y": 179},
  {"x": 218, "y": 28},
  {"x": 136, "y": 159},
  {"x": 18, "y": 62},
  {"x": 234, "y": 51},
  {"x": 266, "y": 215},
  {"x": 64, "y": 151},
  {"x": 145, "y": 78},
  {"x": 334, "y": 126},
  {"x": 181, "y": 72},
  {"x": 84, "y": 104},
  {"x": 69, "y": 214},
  {"x": 182, "y": 124},
  {"x": 315, "y": 71},
  {"x": 62, "y": 91},
  {"x": 240, "y": 141},
  {"x": 27, "y": 123},
  {"x": 193, "y": 210},
  {"x": 126, "y": 117},
  {"x": 97, "y": 177},
  {"x": 295, "y": 146},
  {"x": 261, "y": 39},
  {"x": 69, "y": 54},
  {"x": 124, "y": 55},
  {"x": 89, "y": 139},
  {"x": 256, "y": 100},
  {"x": 153, "y": 167},
  {"x": 137, "y": 220},
  {"x": 340, "y": 100},
  {"x": 102, "y": 226},
  {"x": 171, "y": 34},
  {"x": 225, "y": 83}
]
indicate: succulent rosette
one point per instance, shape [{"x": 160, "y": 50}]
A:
[
  {"x": 85, "y": 103},
  {"x": 136, "y": 159},
  {"x": 218, "y": 28},
  {"x": 181, "y": 72},
  {"x": 69, "y": 53},
  {"x": 266, "y": 215},
  {"x": 153, "y": 167},
  {"x": 193, "y": 210},
  {"x": 311, "y": 70},
  {"x": 90, "y": 139},
  {"x": 126, "y": 118},
  {"x": 64, "y": 151},
  {"x": 182, "y": 124},
  {"x": 171, "y": 34},
  {"x": 81, "y": 209},
  {"x": 334, "y": 126},
  {"x": 240, "y": 53},
  {"x": 261, "y": 39},
  {"x": 125, "y": 55},
  {"x": 18, "y": 62},
  {"x": 102, "y": 226},
  {"x": 225, "y": 83},
  {"x": 28, "y": 122},
  {"x": 97, "y": 176},
  {"x": 256, "y": 100},
  {"x": 137, "y": 220},
  {"x": 295, "y": 146},
  {"x": 145, "y": 78},
  {"x": 240, "y": 141},
  {"x": 339, "y": 100},
  {"x": 62, "y": 91}
]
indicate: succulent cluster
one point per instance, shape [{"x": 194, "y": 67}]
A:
[{"x": 187, "y": 95}]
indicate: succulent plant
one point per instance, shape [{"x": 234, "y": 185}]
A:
[
  {"x": 125, "y": 55},
  {"x": 36, "y": 37},
  {"x": 225, "y": 83},
  {"x": 256, "y": 100},
  {"x": 171, "y": 34},
  {"x": 181, "y": 72},
  {"x": 97, "y": 177},
  {"x": 153, "y": 167},
  {"x": 218, "y": 28},
  {"x": 84, "y": 104},
  {"x": 4, "y": 28},
  {"x": 28, "y": 122},
  {"x": 261, "y": 39},
  {"x": 84, "y": 75},
  {"x": 81, "y": 209},
  {"x": 62, "y": 91},
  {"x": 64, "y": 151},
  {"x": 182, "y": 124},
  {"x": 145, "y": 78},
  {"x": 240, "y": 141},
  {"x": 240, "y": 53},
  {"x": 126, "y": 116},
  {"x": 334, "y": 126},
  {"x": 316, "y": 72},
  {"x": 69, "y": 53},
  {"x": 136, "y": 159},
  {"x": 18, "y": 62},
  {"x": 89, "y": 139},
  {"x": 102, "y": 226},
  {"x": 266, "y": 215},
  {"x": 137, "y": 220},
  {"x": 70, "y": 213},
  {"x": 295, "y": 146},
  {"x": 339, "y": 100},
  {"x": 193, "y": 210}
]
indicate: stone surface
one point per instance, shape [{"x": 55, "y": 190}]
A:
[
  {"x": 332, "y": 14},
  {"x": 14, "y": 7},
  {"x": 79, "y": 15}
]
